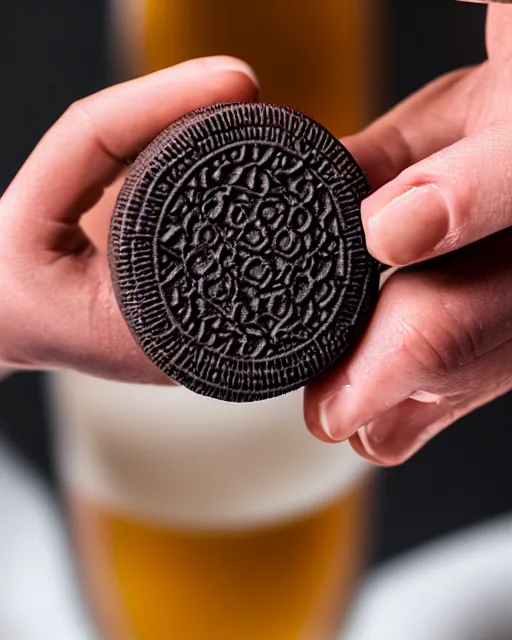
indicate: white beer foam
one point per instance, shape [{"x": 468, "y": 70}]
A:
[{"x": 170, "y": 456}]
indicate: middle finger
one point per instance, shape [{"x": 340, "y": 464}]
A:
[{"x": 429, "y": 323}]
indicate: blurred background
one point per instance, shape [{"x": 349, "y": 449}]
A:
[{"x": 54, "y": 52}]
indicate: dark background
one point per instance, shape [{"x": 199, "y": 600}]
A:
[{"x": 54, "y": 51}]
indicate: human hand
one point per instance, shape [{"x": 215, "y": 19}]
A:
[
  {"x": 57, "y": 306},
  {"x": 440, "y": 342}
]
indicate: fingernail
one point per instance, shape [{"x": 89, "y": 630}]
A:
[
  {"x": 228, "y": 63},
  {"x": 391, "y": 446},
  {"x": 409, "y": 227},
  {"x": 381, "y": 445},
  {"x": 397, "y": 434},
  {"x": 337, "y": 417},
  {"x": 381, "y": 434}
]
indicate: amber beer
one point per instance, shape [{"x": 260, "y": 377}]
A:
[
  {"x": 319, "y": 56},
  {"x": 196, "y": 519}
]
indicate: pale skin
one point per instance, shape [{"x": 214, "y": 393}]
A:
[
  {"x": 58, "y": 309},
  {"x": 440, "y": 342}
]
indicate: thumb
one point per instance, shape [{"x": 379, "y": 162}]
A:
[{"x": 451, "y": 199}]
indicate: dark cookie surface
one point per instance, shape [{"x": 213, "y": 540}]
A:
[{"x": 238, "y": 254}]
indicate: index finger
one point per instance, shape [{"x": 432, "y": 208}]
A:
[
  {"x": 427, "y": 121},
  {"x": 88, "y": 146}
]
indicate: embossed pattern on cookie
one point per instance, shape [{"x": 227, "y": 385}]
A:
[{"x": 237, "y": 251}]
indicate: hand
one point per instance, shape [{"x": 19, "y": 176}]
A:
[
  {"x": 57, "y": 307},
  {"x": 440, "y": 342}
]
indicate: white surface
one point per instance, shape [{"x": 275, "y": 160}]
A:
[
  {"x": 38, "y": 599},
  {"x": 457, "y": 589}
]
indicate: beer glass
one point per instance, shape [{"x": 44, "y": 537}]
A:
[{"x": 195, "y": 519}]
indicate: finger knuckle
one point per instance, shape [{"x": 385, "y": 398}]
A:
[{"x": 80, "y": 111}]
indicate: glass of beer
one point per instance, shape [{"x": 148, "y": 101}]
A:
[{"x": 194, "y": 518}]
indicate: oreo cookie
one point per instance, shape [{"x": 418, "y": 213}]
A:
[{"x": 237, "y": 251}]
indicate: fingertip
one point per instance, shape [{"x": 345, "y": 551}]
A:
[
  {"x": 333, "y": 409},
  {"x": 363, "y": 447},
  {"x": 243, "y": 89},
  {"x": 230, "y": 63},
  {"x": 312, "y": 416},
  {"x": 244, "y": 86},
  {"x": 375, "y": 227},
  {"x": 358, "y": 446}
]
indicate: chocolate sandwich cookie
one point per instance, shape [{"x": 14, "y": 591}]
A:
[{"x": 237, "y": 251}]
